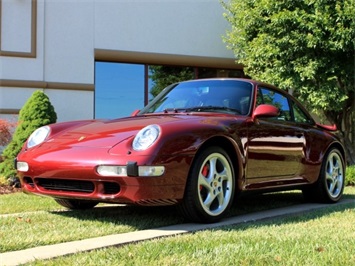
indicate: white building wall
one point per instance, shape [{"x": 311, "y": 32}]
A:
[
  {"x": 69, "y": 41},
  {"x": 12, "y": 30},
  {"x": 69, "y": 32},
  {"x": 186, "y": 27}
]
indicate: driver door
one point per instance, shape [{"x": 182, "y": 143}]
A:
[{"x": 275, "y": 147}]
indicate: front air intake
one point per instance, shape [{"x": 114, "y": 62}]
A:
[
  {"x": 65, "y": 185},
  {"x": 111, "y": 188}
]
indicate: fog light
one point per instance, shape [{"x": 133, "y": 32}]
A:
[
  {"x": 151, "y": 170},
  {"x": 22, "y": 166},
  {"x": 112, "y": 170}
]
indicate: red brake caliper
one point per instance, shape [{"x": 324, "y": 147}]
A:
[{"x": 205, "y": 170}]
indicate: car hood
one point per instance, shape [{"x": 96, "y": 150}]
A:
[{"x": 107, "y": 133}]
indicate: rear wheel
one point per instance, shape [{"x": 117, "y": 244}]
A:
[
  {"x": 76, "y": 204},
  {"x": 210, "y": 187},
  {"x": 330, "y": 184}
]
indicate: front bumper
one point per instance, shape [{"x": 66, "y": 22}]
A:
[{"x": 60, "y": 175}]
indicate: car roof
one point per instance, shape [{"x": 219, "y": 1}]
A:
[{"x": 237, "y": 79}]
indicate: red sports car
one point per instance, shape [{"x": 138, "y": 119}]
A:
[{"x": 197, "y": 145}]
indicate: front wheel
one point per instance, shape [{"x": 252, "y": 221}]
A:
[
  {"x": 210, "y": 187},
  {"x": 330, "y": 184},
  {"x": 76, "y": 204}
]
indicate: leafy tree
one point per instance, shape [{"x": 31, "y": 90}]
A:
[
  {"x": 162, "y": 76},
  {"x": 37, "y": 112},
  {"x": 306, "y": 47}
]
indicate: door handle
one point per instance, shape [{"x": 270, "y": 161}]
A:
[{"x": 299, "y": 135}]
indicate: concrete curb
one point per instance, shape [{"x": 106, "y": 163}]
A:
[{"x": 52, "y": 251}]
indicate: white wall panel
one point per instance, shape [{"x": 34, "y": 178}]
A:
[
  {"x": 20, "y": 68},
  {"x": 72, "y": 105},
  {"x": 69, "y": 51},
  {"x": 14, "y": 98},
  {"x": 188, "y": 27},
  {"x": 69, "y": 105},
  {"x": 16, "y": 25}
]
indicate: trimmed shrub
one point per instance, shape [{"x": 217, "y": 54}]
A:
[{"x": 37, "y": 111}]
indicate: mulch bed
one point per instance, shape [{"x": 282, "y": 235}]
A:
[{"x": 6, "y": 189}]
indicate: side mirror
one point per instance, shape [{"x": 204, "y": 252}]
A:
[
  {"x": 135, "y": 113},
  {"x": 265, "y": 110}
]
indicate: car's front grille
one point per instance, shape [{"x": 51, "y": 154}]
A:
[{"x": 66, "y": 185}]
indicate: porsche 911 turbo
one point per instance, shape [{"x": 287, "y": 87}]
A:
[{"x": 197, "y": 145}]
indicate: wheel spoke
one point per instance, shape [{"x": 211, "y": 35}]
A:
[
  {"x": 330, "y": 164},
  {"x": 224, "y": 175},
  {"x": 208, "y": 201},
  {"x": 338, "y": 178},
  {"x": 204, "y": 181},
  {"x": 329, "y": 177},
  {"x": 331, "y": 187},
  {"x": 221, "y": 197},
  {"x": 213, "y": 167}
]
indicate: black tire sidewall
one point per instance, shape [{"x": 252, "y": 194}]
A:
[
  {"x": 191, "y": 200},
  {"x": 322, "y": 177}
]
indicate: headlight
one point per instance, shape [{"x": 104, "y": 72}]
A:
[
  {"x": 38, "y": 136},
  {"x": 146, "y": 137}
]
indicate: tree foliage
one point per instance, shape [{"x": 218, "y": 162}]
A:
[
  {"x": 305, "y": 46},
  {"x": 162, "y": 76},
  {"x": 37, "y": 112}
]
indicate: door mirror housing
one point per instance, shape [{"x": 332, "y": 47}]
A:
[
  {"x": 265, "y": 110},
  {"x": 327, "y": 127}
]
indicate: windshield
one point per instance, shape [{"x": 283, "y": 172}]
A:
[{"x": 228, "y": 96}]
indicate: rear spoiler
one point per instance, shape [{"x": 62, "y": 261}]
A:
[{"x": 327, "y": 127}]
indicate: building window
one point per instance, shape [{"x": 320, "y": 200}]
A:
[{"x": 121, "y": 88}]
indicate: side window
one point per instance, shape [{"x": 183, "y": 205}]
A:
[
  {"x": 268, "y": 96},
  {"x": 299, "y": 115},
  {"x": 259, "y": 98}
]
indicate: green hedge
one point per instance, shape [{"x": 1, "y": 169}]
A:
[
  {"x": 350, "y": 176},
  {"x": 36, "y": 112}
]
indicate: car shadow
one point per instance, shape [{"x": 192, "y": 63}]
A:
[
  {"x": 137, "y": 217},
  {"x": 261, "y": 202},
  {"x": 141, "y": 218}
]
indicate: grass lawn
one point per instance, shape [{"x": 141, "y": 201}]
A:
[
  {"x": 323, "y": 237},
  {"x": 317, "y": 238}
]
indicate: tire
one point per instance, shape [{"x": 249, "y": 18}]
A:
[
  {"x": 330, "y": 184},
  {"x": 76, "y": 204},
  {"x": 210, "y": 187}
]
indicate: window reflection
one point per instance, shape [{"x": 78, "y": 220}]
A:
[{"x": 121, "y": 88}]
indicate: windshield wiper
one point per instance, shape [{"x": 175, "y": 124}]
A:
[
  {"x": 174, "y": 110},
  {"x": 212, "y": 108}
]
